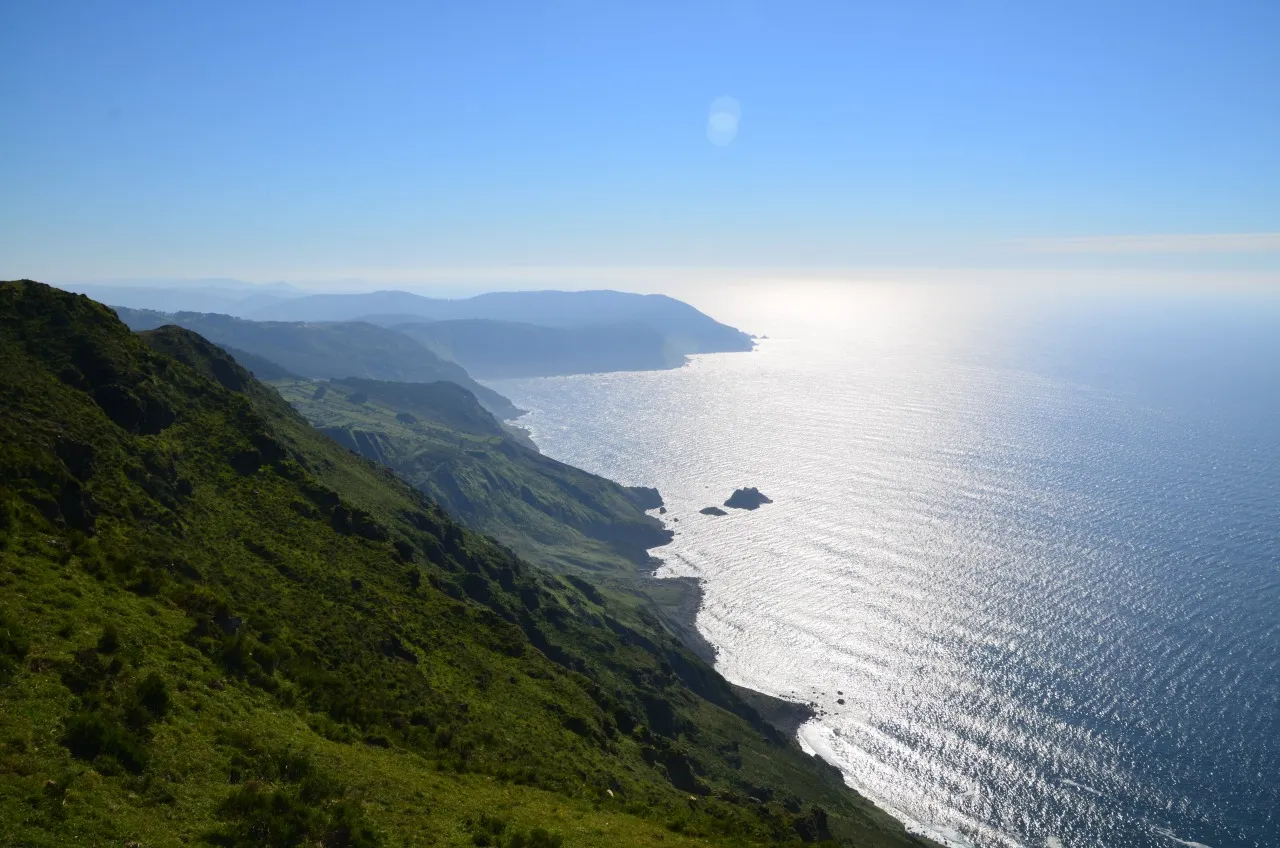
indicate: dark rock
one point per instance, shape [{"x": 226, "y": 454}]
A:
[
  {"x": 645, "y": 497},
  {"x": 713, "y": 510},
  {"x": 748, "y": 498}
]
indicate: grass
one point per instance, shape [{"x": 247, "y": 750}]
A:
[{"x": 218, "y": 626}]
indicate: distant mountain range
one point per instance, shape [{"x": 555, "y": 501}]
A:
[
  {"x": 686, "y": 329},
  {"x": 228, "y": 297},
  {"x": 331, "y": 350},
  {"x": 490, "y": 336},
  {"x": 498, "y": 349}
]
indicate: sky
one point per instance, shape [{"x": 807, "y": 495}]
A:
[{"x": 536, "y": 142}]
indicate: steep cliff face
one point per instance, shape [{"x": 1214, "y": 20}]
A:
[
  {"x": 438, "y": 438},
  {"x": 219, "y": 625}
]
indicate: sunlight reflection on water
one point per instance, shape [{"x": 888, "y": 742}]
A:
[{"x": 1049, "y": 608}]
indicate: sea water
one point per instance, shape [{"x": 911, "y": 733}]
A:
[{"x": 1025, "y": 560}]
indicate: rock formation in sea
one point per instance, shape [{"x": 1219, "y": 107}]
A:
[
  {"x": 747, "y": 498},
  {"x": 712, "y": 510}
]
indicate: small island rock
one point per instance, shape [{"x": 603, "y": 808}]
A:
[
  {"x": 712, "y": 510},
  {"x": 747, "y": 498}
]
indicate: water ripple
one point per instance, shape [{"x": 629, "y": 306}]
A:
[{"x": 1052, "y": 612}]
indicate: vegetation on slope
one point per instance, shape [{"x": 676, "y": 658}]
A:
[
  {"x": 492, "y": 478},
  {"x": 218, "y": 625},
  {"x": 435, "y": 436}
]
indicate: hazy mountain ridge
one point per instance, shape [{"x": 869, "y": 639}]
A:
[
  {"x": 227, "y": 297},
  {"x": 492, "y": 349},
  {"x": 337, "y": 349},
  {"x": 686, "y": 329},
  {"x": 219, "y": 625},
  {"x": 492, "y": 336}
]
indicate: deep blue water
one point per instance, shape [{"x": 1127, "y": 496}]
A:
[{"x": 1033, "y": 547}]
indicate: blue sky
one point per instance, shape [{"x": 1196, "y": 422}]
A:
[{"x": 394, "y": 140}]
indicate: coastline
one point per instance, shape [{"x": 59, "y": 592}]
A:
[{"x": 678, "y": 600}]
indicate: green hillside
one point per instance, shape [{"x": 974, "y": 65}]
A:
[
  {"x": 438, "y": 438},
  {"x": 218, "y": 626}
]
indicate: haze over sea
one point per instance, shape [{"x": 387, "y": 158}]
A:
[{"x": 1032, "y": 543}]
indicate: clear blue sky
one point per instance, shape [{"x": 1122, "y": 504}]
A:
[{"x": 265, "y": 140}]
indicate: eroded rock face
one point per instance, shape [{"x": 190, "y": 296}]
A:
[
  {"x": 646, "y": 497},
  {"x": 747, "y": 498},
  {"x": 712, "y": 510}
]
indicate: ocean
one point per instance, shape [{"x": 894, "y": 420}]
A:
[{"x": 1023, "y": 554}]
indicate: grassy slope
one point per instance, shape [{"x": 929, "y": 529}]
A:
[
  {"x": 439, "y": 439},
  {"x": 550, "y": 513},
  {"x": 217, "y": 624}
]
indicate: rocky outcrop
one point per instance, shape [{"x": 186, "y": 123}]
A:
[
  {"x": 748, "y": 498},
  {"x": 645, "y": 497},
  {"x": 712, "y": 510}
]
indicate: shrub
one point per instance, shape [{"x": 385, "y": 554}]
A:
[
  {"x": 288, "y": 817},
  {"x": 265, "y": 817},
  {"x": 109, "y": 642},
  {"x": 14, "y": 646},
  {"x": 8, "y": 516},
  {"x": 536, "y": 838},
  {"x": 493, "y": 831},
  {"x": 90, "y": 735},
  {"x": 153, "y": 695}
]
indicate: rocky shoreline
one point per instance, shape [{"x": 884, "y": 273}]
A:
[{"x": 678, "y": 600}]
